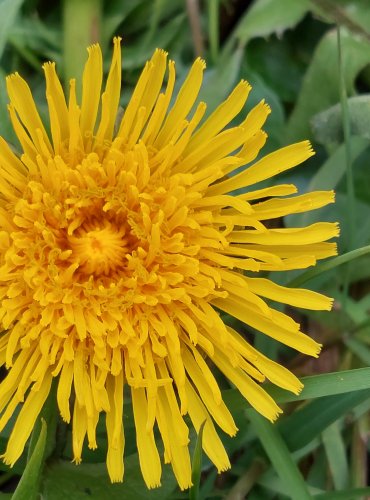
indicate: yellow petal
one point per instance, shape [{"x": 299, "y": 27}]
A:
[
  {"x": 148, "y": 454},
  {"x": 110, "y": 97},
  {"x": 252, "y": 392},
  {"x": 244, "y": 312},
  {"x": 178, "y": 450},
  {"x": 272, "y": 164},
  {"x": 26, "y": 421},
  {"x": 184, "y": 102},
  {"x": 22, "y": 100},
  {"x": 114, "y": 424},
  {"x": 91, "y": 87},
  {"x": 316, "y": 233},
  {"x": 57, "y": 106},
  {"x": 293, "y": 296},
  {"x": 222, "y": 116},
  {"x": 211, "y": 442},
  {"x": 64, "y": 390}
]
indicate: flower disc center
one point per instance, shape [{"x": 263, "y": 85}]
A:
[{"x": 99, "y": 248}]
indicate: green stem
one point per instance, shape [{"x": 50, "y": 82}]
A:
[
  {"x": 351, "y": 220},
  {"x": 213, "y": 28},
  {"x": 82, "y": 27},
  {"x": 326, "y": 266}
]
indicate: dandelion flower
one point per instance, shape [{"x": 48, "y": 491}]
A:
[{"x": 120, "y": 245}]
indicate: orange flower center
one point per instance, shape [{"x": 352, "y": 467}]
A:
[{"x": 99, "y": 247}]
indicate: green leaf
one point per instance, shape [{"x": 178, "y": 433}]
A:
[
  {"x": 352, "y": 494},
  {"x": 320, "y": 88},
  {"x": 90, "y": 481},
  {"x": 332, "y": 170},
  {"x": 280, "y": 456},
  {"x": 136, "y": 56},
  {"x": 351, "y": 14},
  {"x": 8, "y": 14},
  {"x": 28, "y": 485},
  {"x": 197, "y": 465},
  {"x": 327, "y": 126},
  {"x": 358, "y": 348},
  {"x": 266, "y": 17},
  {"x": 117, "y": 12},
  {"x": 305, "y": 424},
  {"x": 315, "y": 386},
  {"x": 337, "y": 456}
]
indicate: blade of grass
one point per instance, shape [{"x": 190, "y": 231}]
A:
[
  {"x": 315, "y": 386},
  {"x": 353, "y": 494},
  {"x": 197, "y": 465},
  {"x": 359, "y": 463},
  {"x": 213, "y": 30},
  {"x": 82, "y": 25},
  {"x": 279, "y": 455},
  {"x": 337, "y": 458},
  {"x": 305, "y": 424},
  {"x": 358, "y": 348},
  {"x": 326, "y": 266},
  {"x": 347, "y": 142},
  {"x": 351, "y": 221}
]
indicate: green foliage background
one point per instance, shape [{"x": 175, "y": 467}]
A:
[{"x": 289, "y": 51}]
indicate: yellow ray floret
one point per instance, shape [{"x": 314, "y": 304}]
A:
[{"x": 120, "y": 243}]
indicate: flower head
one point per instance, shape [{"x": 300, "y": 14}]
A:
[{"x": 120, "y": 244}]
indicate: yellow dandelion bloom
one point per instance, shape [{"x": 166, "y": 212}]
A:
[{"x": 120, "y": 245}]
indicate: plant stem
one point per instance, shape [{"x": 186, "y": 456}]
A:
[
  {"x": 213, "y": 28},
  {"x": 330, "y": 264},
  {"x": 351, "y": 220},
  {"x": 82, "y": 27}
]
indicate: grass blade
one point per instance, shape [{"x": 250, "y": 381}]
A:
[
  {"x": 336, "y": 453},
  {"x": 197, "y": 466},
  {"x": 315, "y": 386},
  {"x": 331, "y": 264},
  {"x": 279, "y": 455},
  {"x": 307, "y": 423}
]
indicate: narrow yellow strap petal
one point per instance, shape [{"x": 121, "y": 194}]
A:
[
  {"x": 75, "y": 137},
  {"x": 160, "y": 109},
  {"x": 64, "y": 390},
  {"x": 91, "y": 88},
  {"x": 201, "y": 380},
  {"x": 79, "y": 429},
  {"x": 24, "y": 139},
  {"x": 211, "y": 442},
  {"x": 179, "y": 451},
  {"x": 315, "y": 233},
  {"x": 272, "y": 164},
  {"x": 148, "y": 454},
  {"x": 26, "y": 421},
  {"x": 251, "y": 391},
  {"x": 111, "y": 96},
  {"x": 246, "y": 313},
  {"x": 293, "y": 296},
  {"x": 114, "y": 425},
  {"x": 221, "y": 116},
  {"x": 22, "y": 100},
  {"x": 280, "y": 207},
  {"x": 184, "y": 102},
  {"x": 256, "y": 117},
  {"x": 279, "y": 190},
  {"x": 58, "y": 109}
]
